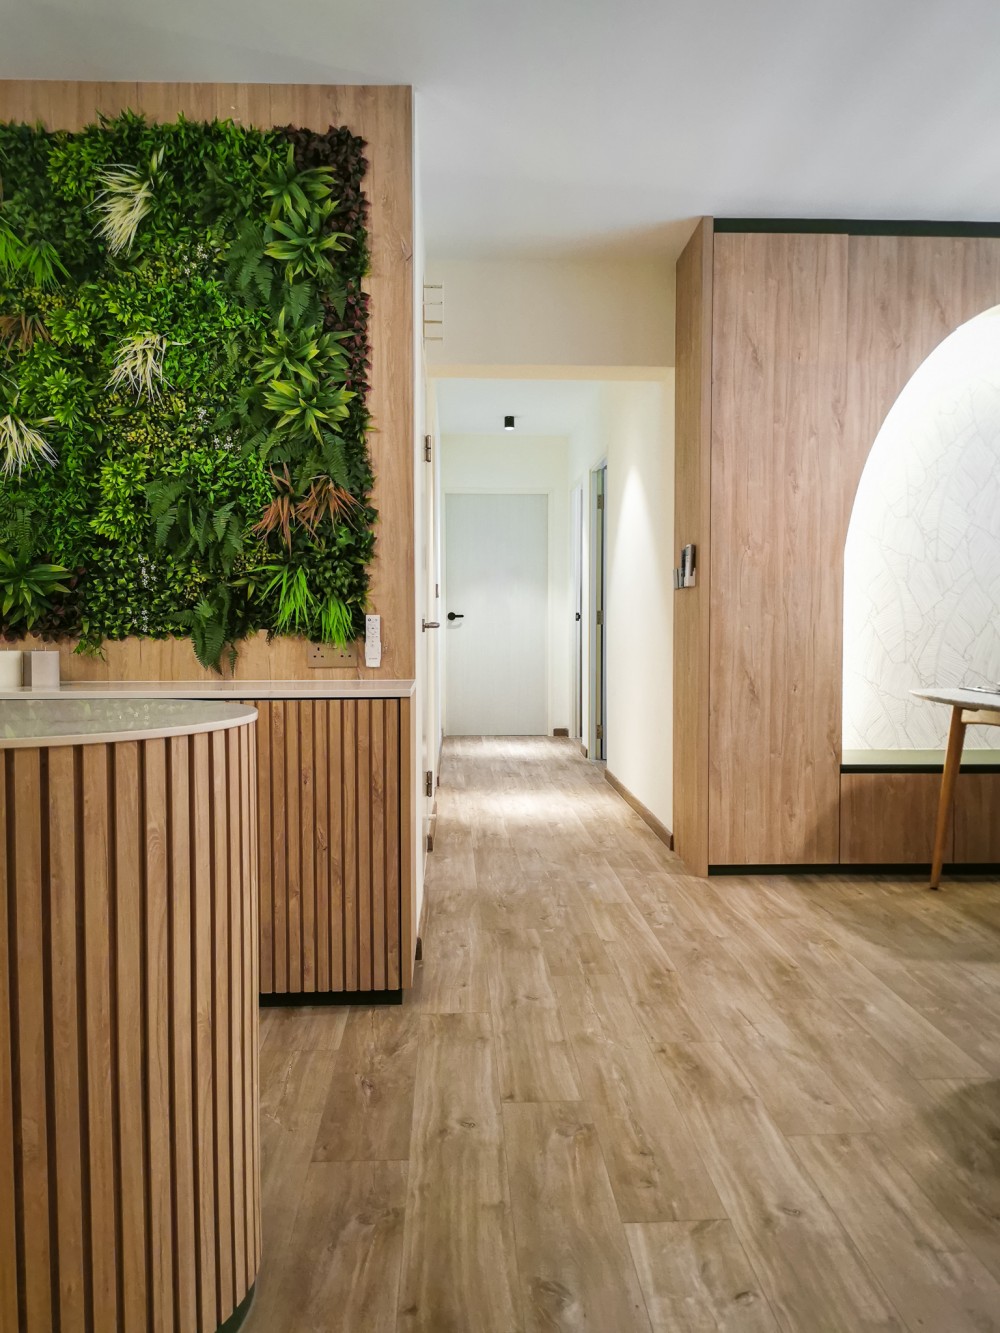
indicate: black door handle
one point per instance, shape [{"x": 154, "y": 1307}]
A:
[
  {"x": 578, "y": 616},
  {"x": 455, "y": 615}
]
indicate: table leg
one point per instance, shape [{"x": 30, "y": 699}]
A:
[{"x": 952, "y": 763}]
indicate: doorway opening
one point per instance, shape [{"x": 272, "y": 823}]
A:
[{"x": 598, "y": 612}]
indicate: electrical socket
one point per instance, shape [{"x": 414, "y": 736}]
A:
[{"x": 328, "y": 655}]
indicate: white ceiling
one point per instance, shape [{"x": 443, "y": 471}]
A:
[
  {"x": 549, "y": 126},
  {"x": 539, "y": 407}
]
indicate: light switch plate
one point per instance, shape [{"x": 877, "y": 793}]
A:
[{"x": 328, "y": 655}]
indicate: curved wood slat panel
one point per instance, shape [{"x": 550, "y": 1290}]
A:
[{"x": 129, "y": 1157}]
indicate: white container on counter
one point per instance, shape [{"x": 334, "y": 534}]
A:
[
  {"x": 10, "y": 669},
  {"x": 41, "y": 669}
]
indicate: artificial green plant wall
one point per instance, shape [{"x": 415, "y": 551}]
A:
[{"x": 183, "y": 377}]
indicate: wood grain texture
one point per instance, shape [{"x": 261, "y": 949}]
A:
[
  {"x": 692, "y": 523},
  {"x": 779, "y": 383},
  {"x": 119, "y": 1061},
  {"x": 812, "y": 338},
  {"x": 977, "y": 818},
  {"x": 383, "y": 118},
  {"x": 696, "y": 1278},
  {"x": 331, "y": 805},
  {"x": 890, "y": 818},
  {"x": 838, "y": 1008}
]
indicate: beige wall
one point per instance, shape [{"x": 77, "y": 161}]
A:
[
  {"x": 633, "y": 431},
  {"x": 552, "y": 313}
]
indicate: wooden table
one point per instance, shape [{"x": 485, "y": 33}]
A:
[{"x": 968, "y": 708}]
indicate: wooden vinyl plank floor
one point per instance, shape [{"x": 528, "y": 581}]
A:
[{"x": 620, "y": 1098}]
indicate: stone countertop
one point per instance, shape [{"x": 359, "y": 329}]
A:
[
  {"x": 31, "y": 722},
  {"x": 218, "y": 689}
]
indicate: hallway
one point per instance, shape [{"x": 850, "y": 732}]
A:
[{"x": 622, "y": 1098}]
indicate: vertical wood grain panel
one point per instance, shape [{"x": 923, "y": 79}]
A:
[
  {"x": 159, "y": 1009},
  {"x": 907, "y": 293},
  {"x": 393, "y": 866},
  {"x": 65, "y": 911},
  {"x": 321, "y": 740},
  {"x": 203, "y": 915},
  {"x": 349, "y": 855},
  {"x": 97, "y": 952},
  {"x": 779, "y": 386},
  {"x": 9, "y": 1317},
  {"x": 337, "y": 789},
  {"x": 222, "y": 985},
  {"x": 279, "y": 864},
  {"x": 977, "y": 817},
  {"x": 128, "y": 910},
  {"x": 407, "y": 873},
  {"x": 264, "y": 851},
  {"x": 692, "y": 523},
  {"x": 307, "y": 823},
  {"x": 382, "y": 116},
  {"x": 380, "y": 887},
  {"x": 25, "y": 832},
  {"x": 237, "y": 1118},
  {"x": 182, "y": 1032},
  {"x": 364, "y": 709},
  {"x": 294, "y": 850}
]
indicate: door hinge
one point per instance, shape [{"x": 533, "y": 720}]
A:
[
  {"x": 600, "y": 618},
  {"x": 428, "y": 783},
  {"x": 600, "y": 502},
  {"x": 427, "y": 448},
  {"x": 599, "y": 731}
]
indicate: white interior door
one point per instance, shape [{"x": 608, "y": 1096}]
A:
[{"x": 496, "y": 623}]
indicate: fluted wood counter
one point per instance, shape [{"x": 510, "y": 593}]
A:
[
  {"x": 336, "y": 827},
  {"x": 129, "y": 1146}
]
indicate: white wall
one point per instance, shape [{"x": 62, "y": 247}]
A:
[
  {"x": 506, "y": 463},
  {"x": 553, "y": 312},
  {"x": 633, "y": 432}
]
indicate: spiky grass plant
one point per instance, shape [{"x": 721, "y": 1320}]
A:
[
  {"x": 21, "y": 446},
  {"x": 335, "y": 623},
  {"x": 139, "y": 364},
  {"x": 125, "y": 200}
]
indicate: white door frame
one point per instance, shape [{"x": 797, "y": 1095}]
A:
[{"x": 597, "y": 746}]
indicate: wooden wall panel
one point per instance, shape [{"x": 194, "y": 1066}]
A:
[
  {"x": 335, "y": 892},
  {"x": 128, "y": 1093},
  {"x": 779, "y": 384},
  {"x": 907, "y": 293},
  {"x": 813, "y": 337},
  {"x": 977, "y": 818},
  {"x": 889, "y": 818},
  {"x": 692, "y": 523},
  {"x": 383, "y": 117}
]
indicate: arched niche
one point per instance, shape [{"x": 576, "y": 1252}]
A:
[{"x": 922, "y": 560}]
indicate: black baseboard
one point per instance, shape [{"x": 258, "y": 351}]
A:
[
  {"x": 987, "y": 870},
  {"x": 331, "y": 997}
]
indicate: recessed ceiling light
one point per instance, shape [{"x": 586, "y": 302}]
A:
[{"x": 508, "y": 423}]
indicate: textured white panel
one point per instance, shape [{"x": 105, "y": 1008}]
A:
[{"x": 922, "y": 562}]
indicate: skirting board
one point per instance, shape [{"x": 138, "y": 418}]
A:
[
  {"x": 644, "y": 813},
  {"x": 300, "y": 999}
]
